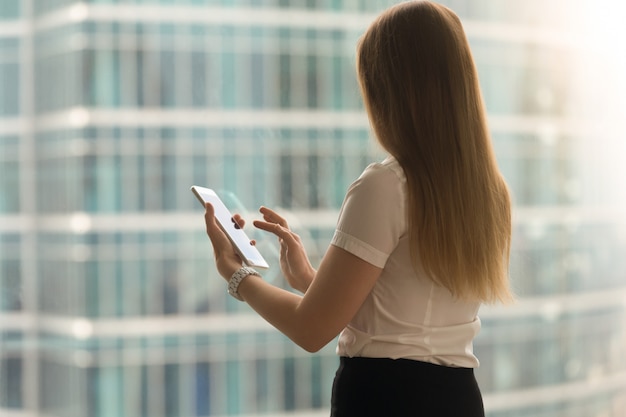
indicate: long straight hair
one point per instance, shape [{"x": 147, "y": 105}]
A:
[{"x": 421, "y": 91}]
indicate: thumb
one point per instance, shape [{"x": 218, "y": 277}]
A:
[{"x": 217, "y": 236}]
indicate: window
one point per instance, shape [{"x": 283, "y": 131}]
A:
[{"x": 110, "y": 110}]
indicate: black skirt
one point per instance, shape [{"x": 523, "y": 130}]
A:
[{"x": 404, "y": 388}]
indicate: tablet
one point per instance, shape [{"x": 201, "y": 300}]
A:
[{"x": 249, "y": 254}]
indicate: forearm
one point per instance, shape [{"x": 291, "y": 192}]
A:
[{"x": 281, "y": 309}]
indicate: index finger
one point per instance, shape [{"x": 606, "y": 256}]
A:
[
  {"x": 239, "y": 221},
  {"x": 275, "y": 228},
  {"x": 271, "y": 216}
]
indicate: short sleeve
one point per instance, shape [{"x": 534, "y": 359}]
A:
[{"x": 372, "y": 217}]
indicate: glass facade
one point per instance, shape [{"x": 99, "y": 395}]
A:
[{"x": 111, "y": 109}]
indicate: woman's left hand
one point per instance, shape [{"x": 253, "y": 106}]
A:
[{"x": 226, "y": 259}]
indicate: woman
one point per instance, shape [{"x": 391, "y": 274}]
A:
[{"x": 422, "y": 239}]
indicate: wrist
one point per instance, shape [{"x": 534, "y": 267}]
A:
[
  {"x": 310, "y": 278},
  {"x": 236, "y": 278}
]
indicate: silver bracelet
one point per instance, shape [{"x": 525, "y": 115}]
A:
[{"x": 236, "y": 278}]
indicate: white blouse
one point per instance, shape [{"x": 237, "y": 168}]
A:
[{"x": 406, "y": 315}]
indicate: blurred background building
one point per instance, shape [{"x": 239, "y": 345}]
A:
[{"x": 110, "y": 109}]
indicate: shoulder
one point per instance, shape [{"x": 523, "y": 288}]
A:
[
  {"x": 372, "y": 217},
  {"x": 385, "y": 173},
  {"x": 381, "y": 187}
]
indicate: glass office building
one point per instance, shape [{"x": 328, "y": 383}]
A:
[{"x": 111, "y": 109}]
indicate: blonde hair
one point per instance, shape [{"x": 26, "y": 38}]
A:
[{"x": 421, "y": 91}]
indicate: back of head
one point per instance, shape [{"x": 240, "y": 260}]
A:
[{"x": 421, "y": 91}]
